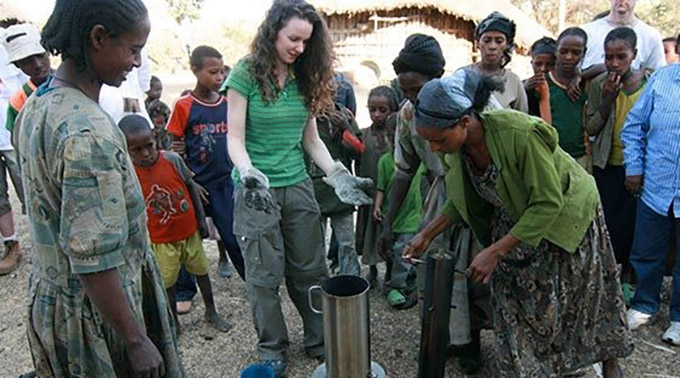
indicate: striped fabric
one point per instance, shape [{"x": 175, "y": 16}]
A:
[
  {"x": 16, "y": 103},
  {"x": 273, "y": 131},
  {"x": 651, "y": 139}
]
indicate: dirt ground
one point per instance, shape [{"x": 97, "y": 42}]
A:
[{"x": 207, "y": 353}]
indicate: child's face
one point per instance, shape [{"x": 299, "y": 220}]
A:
[
  {"x": 671, "y": 50},
  {"x": 570, "y": 51},
  {"x": 211, "y": 75},
  {"x": 36, "y": 66},
  {"x": 492, "y": 44},
  {"x": 156, "y": 90},
  {"x": 379, "y": 109},
  {"x": 618, "y": 56},
  {"x": 142, "y": 148},
  {"x": 542, "y": 63}
]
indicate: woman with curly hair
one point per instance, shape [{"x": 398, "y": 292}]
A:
[
  {"x": 274, "y": 95},
  {"x": 495, "y": 37}
]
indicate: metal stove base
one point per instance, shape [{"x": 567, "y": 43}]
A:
[{"x": 376, "y": 371}]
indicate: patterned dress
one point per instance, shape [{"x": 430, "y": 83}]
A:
[
  {"x": 554, "y": 311},
  {"x": 86, "y": 214}
]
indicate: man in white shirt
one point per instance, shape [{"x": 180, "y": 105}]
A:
[{"x": 650, "y": 52}]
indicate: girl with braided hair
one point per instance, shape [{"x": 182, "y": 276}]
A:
[
  {"x": 495, "y": 38},
  {"x": 97, "y": 307}
]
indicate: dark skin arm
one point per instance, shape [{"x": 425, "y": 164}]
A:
[
  {"x": 396, "y": 195},
  {"x": 196, "y": 193},
  {"x": 610, "y": 90},
  {"x": 178, "y": 146},
  {"x": 419, "y": 243},
  {"x": 106, "y": 293},
  {"x": 593, "y": 71}
]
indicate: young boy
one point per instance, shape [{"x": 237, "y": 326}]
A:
[
  {"x": 401, "y": 286},
  {"x": 176, "y": 220},
  {"x": 198, "y": 125},
  {"x": 670, "y": 48},
  {"x": 159, "y": 112},
  {"x": 22, "y": 45}
]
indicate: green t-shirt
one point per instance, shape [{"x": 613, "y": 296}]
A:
[
  {"x": 274, "y": 130},
  {"x": 567, "y": 118},
  {"x": 407, "y": 220}
]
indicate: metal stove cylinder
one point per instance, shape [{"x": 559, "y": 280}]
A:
[{"x": 434, "y": 336}]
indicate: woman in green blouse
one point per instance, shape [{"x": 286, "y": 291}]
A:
[{"x": 556, "y": 297}]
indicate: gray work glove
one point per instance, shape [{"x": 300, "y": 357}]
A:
[
  {"x": 350, "y": 189},
  {"x": 257, "y": 195}
]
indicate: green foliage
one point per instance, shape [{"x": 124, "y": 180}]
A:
[
  {"x": 181, "y": 9},
  {"x": 661, "y": 14}
]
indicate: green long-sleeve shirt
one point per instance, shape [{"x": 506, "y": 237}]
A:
[{"x": 543, "y": 188}]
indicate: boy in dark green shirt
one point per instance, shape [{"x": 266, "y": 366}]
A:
[{"x": 405, "y": 225}]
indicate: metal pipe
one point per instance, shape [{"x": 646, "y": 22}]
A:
[{"x": 434, "y": 335}]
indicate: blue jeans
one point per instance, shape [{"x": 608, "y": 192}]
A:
[{"x": 648, "y": 258}]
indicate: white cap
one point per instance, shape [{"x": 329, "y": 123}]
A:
[{"x": 21, "y": 41}]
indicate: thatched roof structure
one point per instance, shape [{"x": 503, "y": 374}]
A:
[{"x": 528, "y": 30}]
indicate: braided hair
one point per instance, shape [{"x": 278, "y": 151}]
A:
[
  {"x": 623, "y": 33},
  {"x": 388, "y": 93},
  {"x": 67, "y": 30}
]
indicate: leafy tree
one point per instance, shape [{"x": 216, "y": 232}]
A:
[
  {"x": 181, "y": 9},
  {"x": 661, "y": 14}
]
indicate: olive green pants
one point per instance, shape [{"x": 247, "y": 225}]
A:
[{"x": 287, "y": 243}]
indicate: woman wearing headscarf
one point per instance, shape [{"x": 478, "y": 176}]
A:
[
  {"x": 556, "y": 296},
  {"x": 420, "y": 61},
  {"x": 495, "y": 38}
]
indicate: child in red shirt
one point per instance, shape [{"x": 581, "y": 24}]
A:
[{"x": 176, "y": 220}]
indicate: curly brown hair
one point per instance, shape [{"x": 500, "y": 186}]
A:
[{"x": 313, "y": 69}]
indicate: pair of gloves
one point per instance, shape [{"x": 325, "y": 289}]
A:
[{"x": 350, "y": 189}]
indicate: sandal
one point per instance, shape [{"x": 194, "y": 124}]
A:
[
  {"x": 395, "y": 298},
  {"x": 411, "y": 300},
  {"x": 628, "y": 292}
]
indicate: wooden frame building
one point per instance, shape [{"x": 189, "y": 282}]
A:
[{"x": 368, "y": 34}]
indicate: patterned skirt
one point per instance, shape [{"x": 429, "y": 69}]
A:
[
  {"x": 555, "y": 311},
  {"x": 68, "y": 337}
]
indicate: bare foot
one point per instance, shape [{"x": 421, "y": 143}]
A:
[
  {"x": 216, "y": 320},
  {"x": 183, "y": 307}
]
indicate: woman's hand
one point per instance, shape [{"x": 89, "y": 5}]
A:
[
  {"x": 145, "y": 360},
  {"x": 633, "y": 184},
  {"x": 484, "y": 264},
  {"x": 416, "y": 246},
  {"x": 377, "y": 214}
]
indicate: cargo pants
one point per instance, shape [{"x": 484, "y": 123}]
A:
[{"x": 287, "y": 243}]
